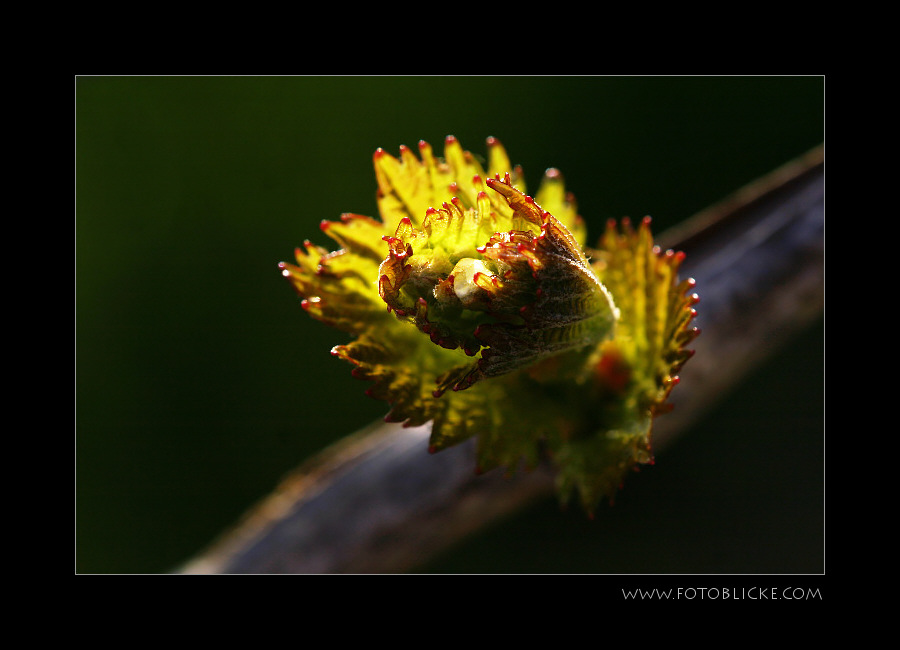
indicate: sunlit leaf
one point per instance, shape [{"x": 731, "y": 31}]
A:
[{"x": 478, "y": 308}]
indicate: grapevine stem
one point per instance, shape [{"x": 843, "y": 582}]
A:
[{"x": 377, "y": 502}]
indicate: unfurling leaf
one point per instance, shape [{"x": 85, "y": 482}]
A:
[{"x": 477, "y": 307}]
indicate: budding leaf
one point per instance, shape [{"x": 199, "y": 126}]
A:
[{"x": 476, "y": 307}]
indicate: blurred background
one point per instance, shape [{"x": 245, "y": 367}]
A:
[{"x": 200, "y": 381}]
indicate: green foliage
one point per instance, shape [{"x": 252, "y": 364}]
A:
[{"x": 476, "y": 307}]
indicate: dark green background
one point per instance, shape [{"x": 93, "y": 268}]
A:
[{"x": 200, "y": 381}]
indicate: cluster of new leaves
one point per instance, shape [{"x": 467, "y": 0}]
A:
[{"x": 474, "y": 306}]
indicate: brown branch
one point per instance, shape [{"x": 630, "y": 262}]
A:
[{"x": 378, "y": 502}]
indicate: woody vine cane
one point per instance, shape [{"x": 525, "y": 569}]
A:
[{"x": 750, "y": 206}]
